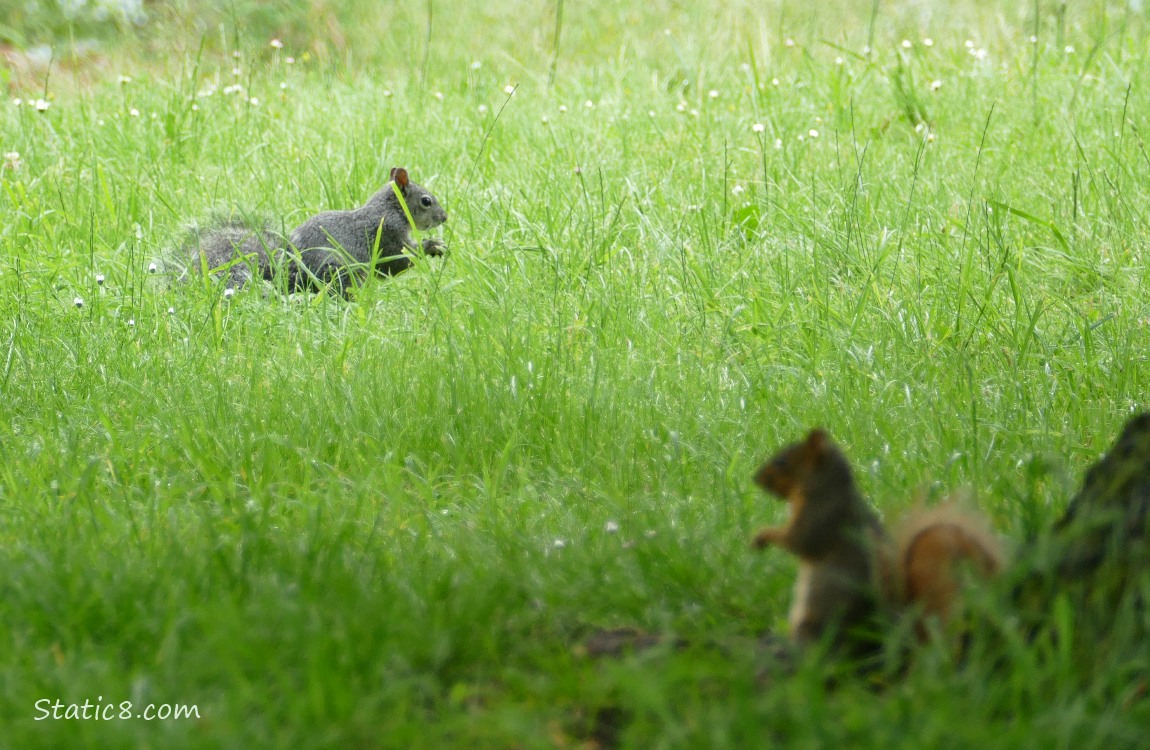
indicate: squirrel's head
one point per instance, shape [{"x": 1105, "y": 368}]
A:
[
  {"x": 425, "y": 209},
  {"x": 789, "y": 469}
]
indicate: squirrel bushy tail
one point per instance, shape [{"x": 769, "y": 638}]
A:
[
  {"x": 932, "y": 550},
  {"x": 245, "y": 248}
]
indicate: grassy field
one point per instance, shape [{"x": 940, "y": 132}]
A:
[{"x": 693, "y": 231}]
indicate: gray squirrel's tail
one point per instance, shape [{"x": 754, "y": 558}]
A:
[{"x": 240, "y": 248}]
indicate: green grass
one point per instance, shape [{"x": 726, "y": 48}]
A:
[{"x": 384, "y": 523}]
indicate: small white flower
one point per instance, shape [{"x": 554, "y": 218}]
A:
[
  {"x": 611, "y": 527},
  {"x": 681, "y": 107},
  {"x": 152, "y": 268},
  {"x": 133, "y": 112},
  {"x": 229, "y": 292},
  {"x": 935, "y": 85},
  {"x": 1069, "y": 50},
  {"x": 125, "y": 79},
  {"x": 866, "y": 49},
  {"x": 813, "y": 133},
  {"x": 838, "y": 61},
  {"x": 17, "y": 102},
  {"x": 802, "y": 137},
  {"x": 283, "y": 85},
  {"x": 918, "y": 128},
  {"x": 290, "y": 60},
  {"x": 438, "y": 95},
  {"x": 906, "y": 44},
  {"x": 1033, "y": 39},
  {"x": 254, "y": 102},
  {"x": 482, "y": 109},
  {"x": 276, "y": 43},
  {"x": 650, "y": 113},
  {"x": 790, "y": 42},
  {"x": 778, "y": 143},
  {"x": 969, "y": 44},
  {"x": 236, "y": 54},
  {"x": 387, "y": 93},
  {"x": 195, "y": 108},
  {"x": 509, "y": 89},
  {"x": 713, "y": 94},
  {"x": 578, "y": 169},
  {"x": 928, "y": 42},
  {"x": 132, "y": 322},
  {"x": 99, "y": 279},
  {"x": 694, "y": 113},
  {"x": 78, "y": 302},
  {"x": 737, "y": 190},
  {"x": 544, "y": 119},
  {"x": 562, "y": 108},
  {"x": 980, "y": 54},
  {"x": 558, "y": 544},
  {"x": 758, "y": 127},
  {"x": 171, "y": 311},
  {"x": 42, "y": 105},
  {"x": 476, "y": 65},
  {"x": 12, "y": 160},
  {"x": 589, "y": 104},
  {"x": 930, "y": 137},
  {"x": 237, "y": 72}
]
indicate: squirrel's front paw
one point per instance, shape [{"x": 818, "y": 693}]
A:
[
  {"x": 434, "y": 246},
  {"x": 765, "y": 538}
]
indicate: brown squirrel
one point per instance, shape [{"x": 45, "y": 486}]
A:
[{"x": 849, "y": 567}]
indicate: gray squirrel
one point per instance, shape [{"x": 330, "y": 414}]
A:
[{"x": 332, "y": 249}]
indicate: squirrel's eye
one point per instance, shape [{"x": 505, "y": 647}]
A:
[{"x": 425, "y": 200}]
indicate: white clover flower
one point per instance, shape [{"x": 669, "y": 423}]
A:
[
  {"x": 968, "y": 44},
  {"x": 125, "y": 79},
  {"x": 558, "y": 544},
  {"x": 838, "y": 61},
  {"x": 694, "y": 113},
  {"x": 171, "y": 311},
  {"x": 790, "y": 42},
  {"x": 229, "y": 292},
  {"x": 132, "y": 322},
  {"x": 1069, "y": 50},
  {"x": 254, "y": 102},
  {"x": 42, "y": 105},
  {"x": 17, "y": 102},
  {"x": 906, "y": 44},
  {"x": 99, "y": 279},
  {"x": 713, "y": 94},
  {"x": 813, "y": 133},
  {"x": 589, "y": 104},
  {"x": 12, "y": 160},
  {"x": 774, "y": 81},
  {"x": 290, "y": 60},
  {"x": 778, "y": 143},
  {"x": 1033, "y": 39},
  {"x": 544, "y": 119},
  {"x": 133, "y": 112},
  {"x": 237, "y": 72},
  {"x": 276, "y": 43},
  {"x": 980, "y": 54},
  {"x": 152, "y": 268},
  {"x": 758, "y": 127},
  {"x": 236, "y": 54},
  {"x": 737, "y": 190},
  {"x": 928, "y": 42},
  {"x": 195, "y": 108},
  {"x": 387, "y": 93},
  {"x": 611, "y": 527},
  {"x": 562, "y": 108},
  {"x": 509, "y": 89},
  {"x": 438, "y": 95},
  {"x": 78, "y": 302},
  {"x": 482, "y": 109},
  {"x": 283, "y": 85},
  {"x": 476, "y": 65},
  {"x": 935, "y": 85}
]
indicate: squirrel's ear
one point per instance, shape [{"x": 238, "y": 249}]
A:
[
  {"x": 817, "y": 440},
  {"x": 399, "y": 177}
]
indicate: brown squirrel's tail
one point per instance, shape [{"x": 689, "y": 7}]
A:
[{"x": 932, "y": 547}]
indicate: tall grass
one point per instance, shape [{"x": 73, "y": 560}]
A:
[{"x": 386, "y": 522}]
